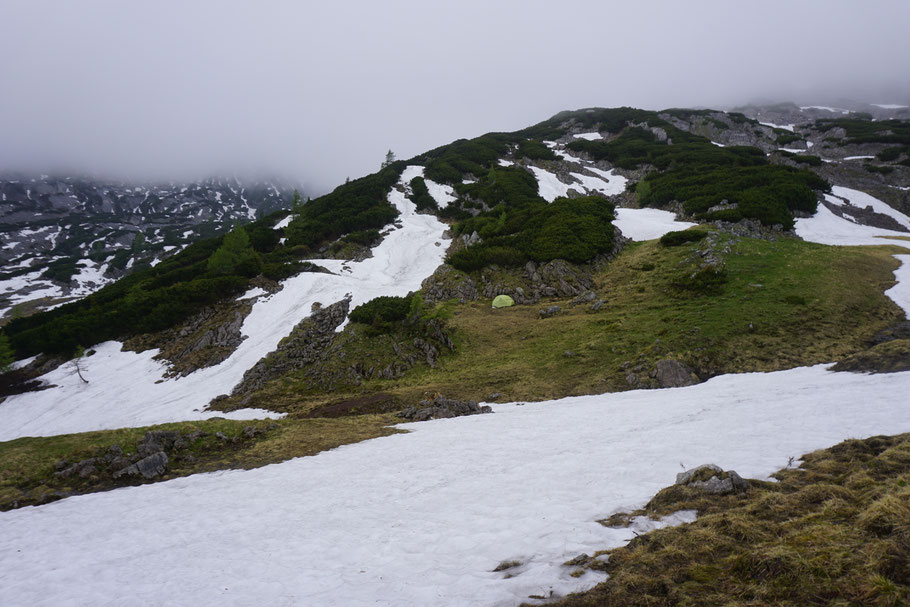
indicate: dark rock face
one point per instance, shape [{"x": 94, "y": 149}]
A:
[
  {"x": 712, "y": 479},
  {"x": 303, "y": 346},
  {"x": 442, "y": 407},
  {"x": 673, "y": 374}
]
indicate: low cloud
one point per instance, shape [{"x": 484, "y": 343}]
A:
[{"x": 318, "y": 93}]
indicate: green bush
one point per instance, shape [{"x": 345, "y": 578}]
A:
[
  {"x": 61, "y": 270},
  {"x": 383, "y": 311},
  {"x": 883, "y": 170},
  {"x": 575, "y": 229},
  {"x": 674, "y": 239},
  {"x": 421, "y": 197},
  {"x": 363, "y": 237},
  {"x": 480, "y": 256},
  {"x": 534, "y": 150},
  {"x": 890, "y": 154},
  {"x": 360, "y": 204},
  {"x": 786, "y": 138}
]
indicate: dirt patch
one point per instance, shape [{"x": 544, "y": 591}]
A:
[{"x": 375, "y": 403}]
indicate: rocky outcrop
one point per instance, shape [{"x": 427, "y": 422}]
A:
[
  {"x": 710, "y": 478},
  {"x": 448, "y": 283},
  {"x": 303, "y": 346},
  {"x": 205, "y": 340},
  {"x": 526, "y": 285},
  {"x": 441, "y": 407}
]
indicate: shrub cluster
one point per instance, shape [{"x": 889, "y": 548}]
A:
[
  {"x": 574, "y": 229},
  {"x": 358, "y": 205},
  {"x": 767, "y": 193},
  {"x": 421, "y": 197},
  {"x": 383, "y": 313},
  {"x": 534, "y": 150},
  {"x": 674, "y": 239}
]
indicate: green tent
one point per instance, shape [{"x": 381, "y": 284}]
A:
[{"x": 503, "y": 301}]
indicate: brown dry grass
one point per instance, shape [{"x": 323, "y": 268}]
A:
[{"x": 836, "y": 531}]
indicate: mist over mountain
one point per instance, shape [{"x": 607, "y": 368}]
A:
[{"x": 319, "y": 92}]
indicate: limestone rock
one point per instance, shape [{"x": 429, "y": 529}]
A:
[
  {"x": 712, "y": 479},
  {"x": 147, "y": 467}
]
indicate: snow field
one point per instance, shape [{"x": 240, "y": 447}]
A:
[
  {"x": 125, "y": 388},
  {"x": 422, "y": 518}
]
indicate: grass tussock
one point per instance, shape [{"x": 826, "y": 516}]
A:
[{"x": 835, "y": 531}]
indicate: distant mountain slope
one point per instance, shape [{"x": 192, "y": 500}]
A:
[{"x": 66, "y": 237}]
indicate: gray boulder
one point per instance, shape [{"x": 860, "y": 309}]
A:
[
  {"x": 673, "y": 374},
  {"x": 147, "y": 467},
  {"x": 710, "y": 478},
  {"x": 549, "y": 312}
]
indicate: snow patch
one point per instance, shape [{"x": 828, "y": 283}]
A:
[
  {"x": 283, "y": 223},
  {"x": 254, "y": 292},
  {"x": 589, "y": 136},
  {"x": 647, "y": 224},
  {"x": 786, "y": 127},
  {"x": 610, "y": 185},
  {"x": 443, "y": 194},
  {"x": 549, "y": 186}
]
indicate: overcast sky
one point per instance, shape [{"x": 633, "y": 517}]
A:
[{"x": 320, "y": 91}]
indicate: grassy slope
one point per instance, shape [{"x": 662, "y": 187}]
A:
[
  {"x": 836, "y": 531},
  {"x": 806, "y": 304},
  {"x": 27, "y": 464},
  {"x": 814, "y": 304}
]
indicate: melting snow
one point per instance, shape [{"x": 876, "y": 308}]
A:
[
  {"x": 862, "y": 200},
  {"x": 423, "y": 518},
  {"x": 786, "y": 127},
  {"x": 254, "y": 292},
  {"x": 284, "y": 223},
  {"x": 589, "y": 136},
  {"x": 505, "y": 163},
  {"x": 858, "y": 157},
  {"x": 549, "y": 186},
  {"x": 609, "y": 186},
  {"x": 647, "y": 224},
  {"x": 824, "y": 107},
  {"x": 890, "y": 106},
  {"x": 443, "y": 194}
]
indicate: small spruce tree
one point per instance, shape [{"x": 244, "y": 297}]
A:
[
  {"x": 235, "y": 254},
  {"x": 389, "y": 159}
]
